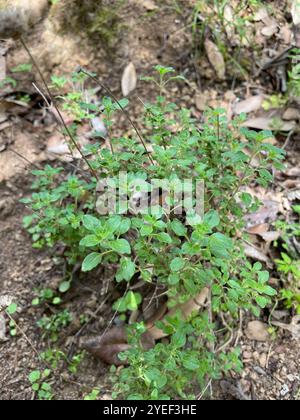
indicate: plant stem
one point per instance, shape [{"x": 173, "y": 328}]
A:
[
  {"x": 70, "y": 135},
  {"x": 122, "y": 108}
]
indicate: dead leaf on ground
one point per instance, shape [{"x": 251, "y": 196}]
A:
[
  {"x": 255, "y": 254},
  {"x": 270, "y": 30},
  {"x": 216, "y": 59},
  {"x": 229, "y": 21},
  {"x": 267, "y": 213},
  {"x": 270, "y": 236},
  {"x": 261, "y": 14},
  {"x": 108, "y": 346},
  {"x": 201, "y": 100},
  {"x": 258, "y": 331},
  {"x": 258, "y": 229},
  {"x": 270, "y": 123},
  {"x": 3, "y": 337},
  {"x": 149, "y": 5},
  {"x": 129, "y": 79},
  {"x": 295, "y": 11},
  {"x": 293, "y": 327},
  {"x": 253, "y": 103},
  {"x": 294, "y": 195},
  {"x": 291, "y": 114}
]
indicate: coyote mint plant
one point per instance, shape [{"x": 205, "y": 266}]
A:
[{"x": 180, "y": 250}]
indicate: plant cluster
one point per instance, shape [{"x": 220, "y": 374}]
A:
[
  {"x": 289, "y": 262},
  {"x": 183, "y": 252}
]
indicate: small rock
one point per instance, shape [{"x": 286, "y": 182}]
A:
[
  {"x": 291, "y": 378},
  {"x": 6, "y": 207},
  {"x": 257, "y": 331},
  {"x": 263, "y": 360},
  {"x": 284, "y": 390},
  {"x": 3, "y": 337},
  {"x": 247, "y": 355}
]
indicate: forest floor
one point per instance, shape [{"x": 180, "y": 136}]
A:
[{"x": 28, "y": 133}]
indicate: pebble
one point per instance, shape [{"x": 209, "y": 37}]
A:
[
  {"x": 263, "y": 360},
  {"x": 285, "y": 390}
]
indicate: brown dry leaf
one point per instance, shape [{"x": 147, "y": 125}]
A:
[
  {"x": 149, "y": 5},
  {"x": 255, "y": 254},
  {"x": 108, "y": 345},
  {"x": 216, "y": 58},
  {"x": 294, "y": 195},
  {"x": 293, "y": 327},
  {"x": 258, "y": 229},
  {"x": 270, "y": 236},
  {"x": 258, "y": 331},
  {"x": 267, "y": 123},
  {"x": 129, "y": 79},
  {"x": 57, "y": 145},
  {"x": 2, "y": 67},
  {"x": 229, "y": 19},
  {"x": 253, "y": 103},
  {"x": 261, "y": 14},
  {"x": 201, "y": 101},
  {"x": 295, "y": 11},
  {"x": 3, "y": 337},
  {"x": 193, "y": 305},
  {"x": 270, "y": 30},
  {"x": 291, "y": 114},
  {"x": 286, "y": 34},
  {"x": 265, "y": 214}
]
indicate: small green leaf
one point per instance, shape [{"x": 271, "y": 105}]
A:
[
  {"x": 177, "y": 264},
  {"x": 90, "y": 241},
  {"x": 212, "y": 219},
  {"x": 91, "y": 223},
  {"x": 164, "y": 237},
  {"x": 64, "y": 286},
  {"x": 126, "y": 270},
  {"x": 121, "y": 246},
  {"x": 178, "y": 228},
  {"x": 173, "y": 279},
  {"x": 261, "y": 301},
  {"x": 146, "y": 230},
  {"x": 34, "y": 376},
  {"x": 91, "y": 261},
  {"x": 12, "y": 308}
]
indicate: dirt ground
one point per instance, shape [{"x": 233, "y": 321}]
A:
[{"x": 271, "y": 368}]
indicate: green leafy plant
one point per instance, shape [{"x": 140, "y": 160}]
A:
[
  {"x": 289, "y": 263},
  {"x": 53, "y": 324},
  {"x": 92, "y": 396},
  {"x": 181, "y": 251},
  {"x": 40, "y": 385},
  {"x": 46, "y": 295}
]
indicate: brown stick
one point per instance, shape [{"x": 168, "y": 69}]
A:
[
  {"x": 70, "y": 135},
  {"x": 122, "y": 108}
]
